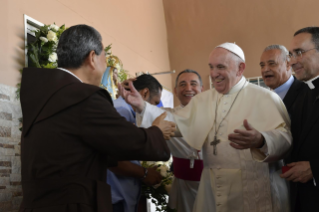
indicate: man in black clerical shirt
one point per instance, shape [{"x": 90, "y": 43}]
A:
[{"x": 304, "y": 169}]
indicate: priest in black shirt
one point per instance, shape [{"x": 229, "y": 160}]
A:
[{"x": 304, "y": 167}]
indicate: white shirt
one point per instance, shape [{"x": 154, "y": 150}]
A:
[
  {"x": 67, "y": 71},
  {"x": 310, "y": 84}
]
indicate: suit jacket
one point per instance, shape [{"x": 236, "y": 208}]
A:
[
  {"x": 305, "y": 131},
  {"x": 292, "y": 94},
  {"x": 289, "y": 100},
  {"x": 70, "y": 131}
]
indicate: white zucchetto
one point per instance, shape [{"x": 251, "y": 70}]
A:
[{"x": 232, "y": 47}]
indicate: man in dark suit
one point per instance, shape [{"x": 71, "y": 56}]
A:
[
  {"x": 71, "y": 130},
  {"x": 276, "y": 73},
  {"x": 304, "y": 171}
]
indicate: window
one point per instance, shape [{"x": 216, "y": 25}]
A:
[
  {"x": 30, "y": 25},
  {"x": 257, "y": 81}
]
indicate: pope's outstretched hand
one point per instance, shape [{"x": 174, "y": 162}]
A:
[
  {"x": 167, "y": 127},
  {"x": 248, "y": 138}
]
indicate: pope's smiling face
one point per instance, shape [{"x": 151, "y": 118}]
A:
[
  {"x": 305, "y": 67},
  {"x": 188, "y": 85},
  {"x": 225, "y": 69}
]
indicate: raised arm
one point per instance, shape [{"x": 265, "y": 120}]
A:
[{"x": 105, "y": 130}]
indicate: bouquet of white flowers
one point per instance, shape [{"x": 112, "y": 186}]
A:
[
  {"x": 158, "y": 193},
  {"x": 42, "y": 52}
]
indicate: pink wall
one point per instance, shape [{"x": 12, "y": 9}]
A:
[
  {"x": 137, "y": 30},
  {"x": 195, "y": 27}
]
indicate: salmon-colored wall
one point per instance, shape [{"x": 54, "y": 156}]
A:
[
  {"x": 195, "y": 27},
  {"x": 136, "y": 29}
]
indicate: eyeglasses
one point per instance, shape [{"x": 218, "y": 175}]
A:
[{"x": 298, "y": 53}]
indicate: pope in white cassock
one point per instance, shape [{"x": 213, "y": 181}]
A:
[
  {"x": 188, "y": 163},
  {"x": 244, "y": 132}
]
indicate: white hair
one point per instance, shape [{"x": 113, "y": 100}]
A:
[{"x": 284, "y": 51}]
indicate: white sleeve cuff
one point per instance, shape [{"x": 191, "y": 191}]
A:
[{"x": 264, "y": 148}]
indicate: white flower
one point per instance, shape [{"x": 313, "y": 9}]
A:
[
  {"x": 159, "y": 163},
  {"x": 54, "y": 27},
  {"x": 163, "y": 170},
  {"x": 109, "y": 52},
  {"x": 150, "y": 163},
  {"x": 44, "y": 39},
  {"x": 53, "y": 57},
  {"x": 117, "y": 66},
  {"x": 52, "y": 36}
]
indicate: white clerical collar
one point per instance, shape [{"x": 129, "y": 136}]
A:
[
  {"x": 236, "y": 88},
  {"x": 67, "y": 71},
  {"x": 310, "y": 84}
]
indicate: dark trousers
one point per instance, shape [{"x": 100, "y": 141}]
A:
[
  {"x": 118, "y": 207},
  {"x": 307, "y": 200}
]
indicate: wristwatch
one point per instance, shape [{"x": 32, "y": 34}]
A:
[{"x": 145, "y": 173}]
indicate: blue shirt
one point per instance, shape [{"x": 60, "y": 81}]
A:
[
  {"x": 126, "y": 189},
  {"x": 283, "y": 89}
]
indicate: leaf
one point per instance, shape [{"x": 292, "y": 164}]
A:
[
  {"x": 60, "y": 31},
  {"x": 106, "y": 49},
  {"x": 18, "y": 91},
  {"x": 123, "y": 75},
  {"x": 33, "y": 53},
  {"x": 50, "y": 65}
]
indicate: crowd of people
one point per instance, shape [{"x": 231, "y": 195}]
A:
[{"x": 236, "y": 147}]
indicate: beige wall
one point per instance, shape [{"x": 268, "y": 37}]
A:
[
  {"x": 136, "y": 29},
  {"x": 195, "y": 27}
]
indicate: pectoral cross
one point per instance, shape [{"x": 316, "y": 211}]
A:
[{"x": 214, "y": 144}]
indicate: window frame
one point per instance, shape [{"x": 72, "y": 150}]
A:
[{"x": 29, "y": 24}]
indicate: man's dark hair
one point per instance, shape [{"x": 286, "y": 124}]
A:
[
  {"x": 189, "y": 71},
  {"x": 314, "y": 31},
  {"x": 76, "y": 43},
  {"x": 147, "y": 81}
]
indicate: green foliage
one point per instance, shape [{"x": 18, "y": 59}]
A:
[
  {"x": 18, "y": 86},
  {"x": 44, "y": 46},
  {"x": 108, "y": 50},
  {"x": 50, "y": 65},
  {"x": 123, "y": 75}
]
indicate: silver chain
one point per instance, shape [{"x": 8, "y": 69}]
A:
[{"x": 216, "y": 108}]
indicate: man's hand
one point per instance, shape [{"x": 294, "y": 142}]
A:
[
  {"x": 299, "y": 172},
  {"x": 167, "y": 127},
  {"x": 132, "y": 96},
  {"x": 125, "y": 83},
  {"x": 153, "y": 177},
  {"x": 245, "y": 139}
]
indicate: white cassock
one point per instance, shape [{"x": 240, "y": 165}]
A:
[
  {"x": 183, "y": 192},
  {"x": 236, "y": 180}
]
